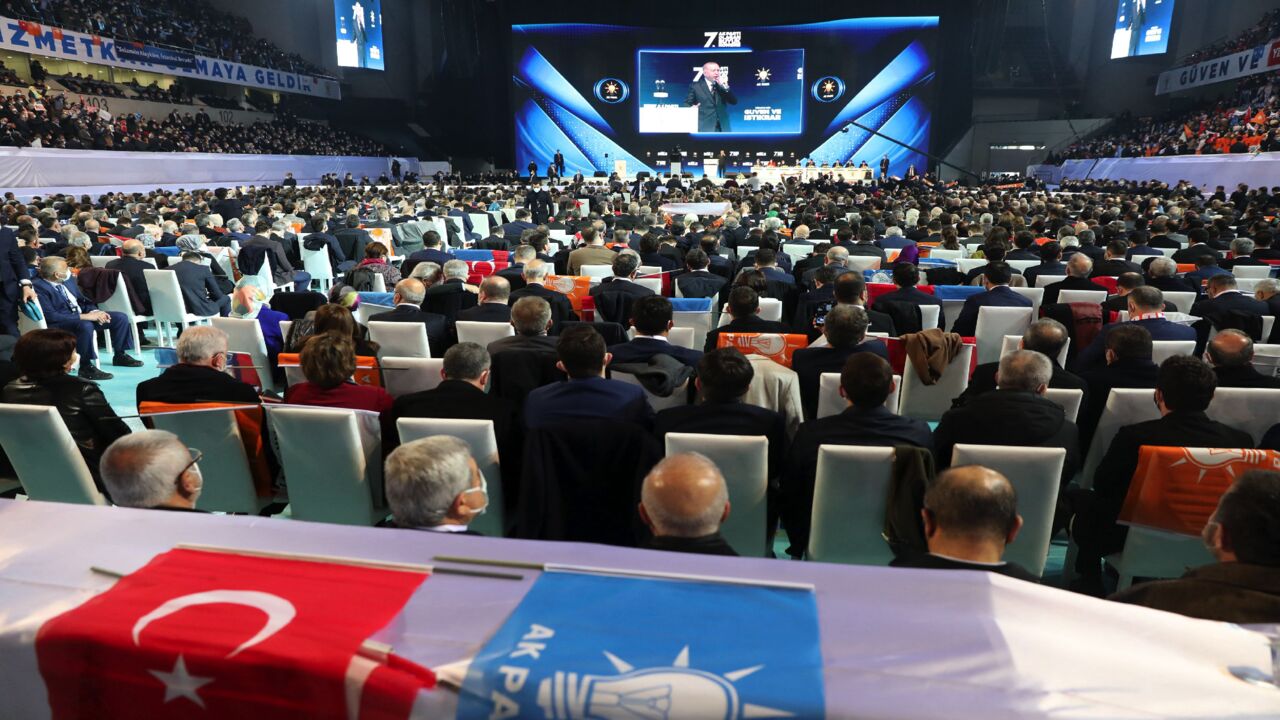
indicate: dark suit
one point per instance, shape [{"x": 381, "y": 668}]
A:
[
  {"x": 281, "y": 269},
  {"x": 1233, "y": 592},
  {"x": 1188, "y": 255},
  {"x": 133, "y": 268},
  {"x": 583, "y": 399},
  {"x": 1114, "y": 268},
  {"x": 1244, "y": 376},
  {"x": 1095, "y": 355},
  {"x": 1044, "y": 268},
  {"x": 748, "y": 324},
  {"x": 1171, "y": 284},
  {"x": 929, "y": 561},
  {"x": 641, "y": 349},
  {"x": 1118, "y": 303},
  {"x": 712, "y": 100},
  {"x": 614, "y": 296},
  {"x": 59, "y": 313},
  {"x": 1124, "y": 373},
  {"x": 337, "y": 258},
  {"x": 513, "y": 275},
  {"x": 1071, "y": 282},
  {"x": 12, "y": 271},
  {"x": 1219, "y": 309},
  {"x": 810, "y": 363},
  {"x": 876, "y": 427},
  {"x": 1008, "y": 417},
  {"x": 200, "y": 292},
  {"x": 437, "y": 329},
  {"x": 713, "y": 544},
  {"x": 731, "y": 418},
  {"x": 435, "y": 255},
  {"x": 195, "y": 383},
  {"x": 983, "y": 380},
  {"x": 459, "y": 400},
  {"x": 700, "y": 284},
  {"x": 352, "y": 242},
  {"x": 908, "y": 295},
  {"x": 561, "y": 306},
  {"x": 1000, "y": 296},
  {"x": 490, "y": 312}
]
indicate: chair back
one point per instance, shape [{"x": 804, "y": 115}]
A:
[
  {"x": 1082, "y": 296},
  {"x": 1068, "y": 399},
  {"x": 404, "y": 375},
  {"x": 994, "y": 323},
  {"x": 744, "y": 463},
  {"x": 480, "y": 222},
  {"x": 929, "y": 402},
  {"x": 1047, "y": 280},
  {"x": 120, "y": 302},
  {"x": 483, "y": 333},
  {"x": 1251, "y": 271},
  {"x": 654, "y": 284},
  {"x": 964, "y": 265},
  {"x": 938, "y": 253},
  {"x": 1022, "y": 265},
  {"x": 1125, "y": 406},
  {"x": 678, "y": 397},
  {"x": 1150, "y": 553},
  {"x": 770, "y": 309},
  {"x": 1035, "y": 295},
  {"x": 850, "y": 493},
  {"x": 1035, "y": 474},
  {"x": 1181, "y": 300},
  {"x": 317, "y": 263},
  {"x": 245, "y": 335},
  {"x": 228, "y": 480},
  {"x": 400, "y": 339},
  {"x": 1253, "y": 410},
  {"x": 596, "y": 271},
  {"x": 379, "y": 283},
  {"x": 479, "y": 436},
  {"x": 858, "y": 263},
  {"x": 830, "y": 402},
  {"x": 1011, "y": 342},
  {"x": 679, "y": 336},
  {"x": 167, "y": 304},
  {"x": 929, "y": 316},
  {"x": 45, "y": 456},
  {"x": 335, "y": 481},
  {"x": 698, "y": 322},
  {"x": 365, "y": 310},
  {"x": 1162, "y": 350}
]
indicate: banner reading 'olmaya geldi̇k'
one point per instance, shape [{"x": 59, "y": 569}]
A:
[
  {"x": 36, "y": 39},
  {"x": 592, "y": 646}
]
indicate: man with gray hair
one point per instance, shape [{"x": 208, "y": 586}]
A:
[
  {"x": 535, "y": 276},
  {"x": 1015, "y": 414},
  {"x": 66, "y": 308},
  {"x": 492, "y": 307},
  {"x": 1268, "y": 291},
  {"x": 201, "y": 294},
  {"x": 200, "y": 375},
  {"x": 1146, "y": 309},
  {"x": 434, "y": 484},
  {"x": 1078, "y": 269},
  {"x": 1162, "y": 275},
  {"x": 1045, "y": 336},
  {"x": 427, "y": 273},
  {"x": 1241, "y": 255},
  {"x": 845, "y": 330},
  {"x": 453, "y": 293},
  {"x": 683, "y": 501},
  {"x": 152, "y": 470},
  {"x": 514, "y": 273},
  {"x": 408, "y": 297}
]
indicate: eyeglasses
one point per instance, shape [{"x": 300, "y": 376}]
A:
[{"x": 195, "y": 458}]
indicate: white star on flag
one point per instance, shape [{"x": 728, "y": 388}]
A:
[{"x": 181, "y": 683}]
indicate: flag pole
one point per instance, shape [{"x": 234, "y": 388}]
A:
[{"x": 624, "y": 572}]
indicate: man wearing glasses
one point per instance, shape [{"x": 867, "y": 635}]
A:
[{"x": 152, "y": 470}]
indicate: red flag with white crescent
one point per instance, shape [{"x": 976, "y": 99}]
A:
[{"x": 211, "y": 634}]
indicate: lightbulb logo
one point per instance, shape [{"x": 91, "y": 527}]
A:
[
  {"x": 657, "y": 693},
  {"x": 1206, "y": 459}
]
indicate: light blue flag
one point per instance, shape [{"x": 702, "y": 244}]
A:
[{"x": 621, "y": 648}]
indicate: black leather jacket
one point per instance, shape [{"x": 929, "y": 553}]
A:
[{"x": 83, "y": 407}]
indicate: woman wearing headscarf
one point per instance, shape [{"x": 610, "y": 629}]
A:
[{"x": 196, "y": 243}]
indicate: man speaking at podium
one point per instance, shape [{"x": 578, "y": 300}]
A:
[{"x": 711, "y": 96}]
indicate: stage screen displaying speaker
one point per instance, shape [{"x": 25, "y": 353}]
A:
[
  {"x": 612, "y": 97},
  {"x": 1142, "y": 28},
  {"x": 358, "y": 26}
]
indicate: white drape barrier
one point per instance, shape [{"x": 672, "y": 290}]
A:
[
  {"x": 1205, "y": 171},
  {"x": 30, "y": 170}
]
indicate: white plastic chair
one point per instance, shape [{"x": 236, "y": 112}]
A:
[
  {"x": 929, "y": 316},
  {"x": 245, "y": 335},
  {"x": 317, "y": 263},
  {"x": 338, "y": 480},
  {"x": 1047, "y": 280},
  {"x": 994, "y": 323},
  {"x": 1011, "y": 342},
  {"x": 120, "y": 302},
  {"x": 678, "y": 397},
  {"x": 654, "y": 284},
  {"x": 26, "y": 324},
  {"x": 1181, "y": 300},
  {"x": 648, "y": 270},
  {"x": 100, "y": 261},
  {"x": 1082, "y": 296},
  {"x": 480, "y": 221},
  {"x": 1035, "y": 474},
  {"x": 44, "y": 455},
  {"x": 1035, "y": 295},
  {"x": 770, "y": 309},
  {"x": 965, "y": 265},
  {"x": 698, "y": 322},
  {"x": 479, "y": 436},
  {"x": 1022, "y": 265},
  {"x": 1162, "y": 350},
  {"x": 1251, "y": 271},
  {"x": 364, "y": 311},
  {"x": 744, "y": 463},
  {"x": 1068, "y": 399},
  {"x": 1125, "y": 406},
  {"x": 1268, "y": 324},
  {"x": 1253, "y": 410},
  {"x": 681, "y": 336},
  {"x": 483, "y": 333},
  {"x": 858, "y": 263},
  {"x": 830, "y": 402},
  {"x": 400, "y": 339},
  {"x": 850, "y": 490},
  {"x": 403, "y": 376},
  {"x": 929, "y": 402},
  {"x": 596, "y": 271},
  {"x": 944, "y": 254},
  {"x": 228, "y": 481},
  {"x": 379, "y": 283},
  {"x": 167, "y": 305},
  {"x": 1246, "y": 285}
]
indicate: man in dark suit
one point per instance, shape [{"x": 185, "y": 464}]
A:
[
  {"x": 1126, "y": 284},
  {"x": 651, "y": 317},
  {"x": 497, "y": 240},
  {"x": 866, "y": 380},
  {"x": 1078, "y": 272},
  {"x": 1162, "y": 275},
  {"x": 1146, "y": 309},
  {"x": 1050, "y": 264},
  {"x": 1024, "y": 242},
  {"x": 1113, "y": 263},
  {"x": 65, "y": 308},
  {"x": 1227, "y": 307},
  {"x": 351, "y": 238},
  {"x": 538, "y": 201},
  {"x": 1230, "y": 353},
  {"x": 587, "y": 393},
  {"x": 201, "y": 294},
  {"x": 200, "y": 375},
  {"x": 698, "y": 282},
  {"x": 1184, "y": 389},
  {"x": 226, "y": 205},
  {"x": 683, "y": 501},
  {"x": 744, "y": 308},
  {"x": 1199, "y": 247},
  {"x": 408, "y": 297},
  {"x": 712, "y": 98},
  {"x": 995, "y": 278},
  {"x": 514, "y": 273},
  {"x": 433, "y": 484},
  {"x": 320, "y": 239},
  {"x": 281, "y": 269},
  {"x": 131, "y": 265},
  {"x": 431, "y": 252},
  {"x": 514, "y": 229},
  {"x": 906, "y": 276},
  {"x": 615, "y": 295},
  {"x": 1045, "y": 336},
  {"x": 845, "y": 331},
  {"x": 15, "y": 283},
  {"x": 1241, "y": 255},
  {"x": 535, "y": 277},
  {"x": 1128, "y": 365},
  {"x": 492, "y": 305}
]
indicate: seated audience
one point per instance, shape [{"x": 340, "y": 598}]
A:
[
  {"x": 1078, "y": 270},
  {"x": 407, "y": 298},
  {"x": 535, "y": 278},
  {"x": 586, "y": 393},
  {"x": 328, "y": 362},
  {"x": 744, "y": 307},
  {"x": 1045, "y": 336},
  {"x": 683, "y": 501},
  {"x": 434, "y": 484},
  {"x": 131, "y": 265},
  {"x": 615, "y": 295},
  {"x": 492, "y": 304},
  {"x": 995, "y": 278},
  {"x": 698, "y": 282},
  {"x": 1146, "y": 310},
  {"x": 1126, "y": 284},
  {"x": 845, "y": 331},
  {"x": 1230, "y": 353},
  {"x": 200, "y": 375},
  {"x": 66, "y": 308},
  {"x": 1128, "y": 364},
  {"x": 201, "y": 294},
  {"x": 652, "y": 319},
  {"x": 906, "y": 276},
  {"x": 152, "y": 470}
]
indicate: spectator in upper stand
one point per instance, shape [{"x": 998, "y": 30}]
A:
[
  {"x": 1050, "y": 263},
  {"x": 845, "y": 330},
  {"x": 328, "y": 362},
  {"x": 434, "y": 484},
  {"x": 1078, "y": 270},
  {"x": 153, "y": 470},
  {"x": 1243, "y": 585},
  {"x": 995, "y": 278},
  {"x": 1230, "y": 353},
  {"x": 1162, "y": 275},
  {"x": 970, "y": 516},
  {"x": 866, "y": 381},
  {"x": 683, "y": 501},
  {"x": 1114, "y": 263},
  {"x": 1146, "y": 309}
]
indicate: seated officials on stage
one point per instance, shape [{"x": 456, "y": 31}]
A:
[
  {"x": 723, "y": 379},
  {"x": 200, "y": 375},
  {"x": 586, "y": 394},
  {"x": 491, "y": 306},
  {"x": 434, "y": 484},
  {"x": 683, "y": 501},
  {"x": 201, "y": 294},
  {"x": 1243, "y": 586},
  {"x": 652, "y": 319},
  {"x": 1184, "y": 389},
  {"x": 866, "y": 381},
  {"x": 1015, "y": 414},
  {"x": 535, "y": 277},
  {"x": 970, "y": 516},
  {"x": 408, "y": 297},
  {"x": 1146, "y": 310},
  {"x": 152, "y": 470},
  {"x": 1079, "y": 269},
  {"x": 44, "y": 359},
  {"x": 995, "y": 278},
  {"x": 1045, "y": 336},
  {"x": 845, "y": 331},
  {"x": 698, "y": 282},
  {"x": 1230, "y": 353},
  {"x": 64, "y": 307},
  {"x": 328, "y": 362}
]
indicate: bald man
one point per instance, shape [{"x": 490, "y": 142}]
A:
[
  {"x": 1230, "y": 353},
  {"x": 970, "y": 515},
  {"x": 131, "y": 265},
  {"x": 712, "y": 96},
  {"x": 492, "y": 305},
  {"x": 683, "y": 502}
]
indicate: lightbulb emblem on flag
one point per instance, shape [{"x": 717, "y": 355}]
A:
[{"x": 1206, "y": 459}]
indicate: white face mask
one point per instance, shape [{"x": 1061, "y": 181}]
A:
[
  {"x": 64, "y": 276},
  {"x": 484, "y": 488}
]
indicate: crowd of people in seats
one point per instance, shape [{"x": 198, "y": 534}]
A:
[
  {"x": 192, "y": 25},
  {"x": 558, "y": 384},
  {"x": 1267, "y": 28},
  {"x": 1245, "y": 119},
  {"x": 54, "y": 120}
]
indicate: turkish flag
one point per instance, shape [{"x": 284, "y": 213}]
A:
[{"x": 223, "y": 635}]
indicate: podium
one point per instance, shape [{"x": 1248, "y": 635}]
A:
[
  {"x": 620, "y": 167},
  {"x": 711, "y": 168}
]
